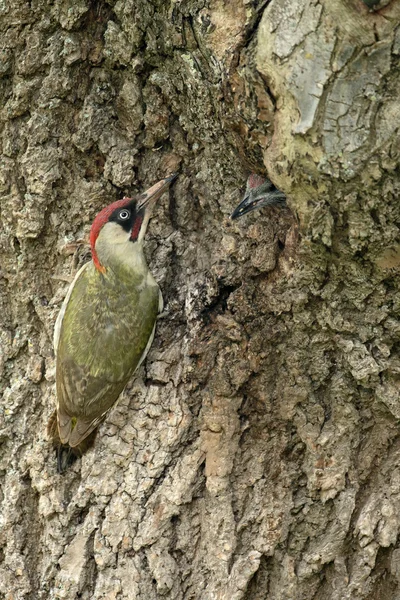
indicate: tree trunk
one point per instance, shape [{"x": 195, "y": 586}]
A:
[{"x": 256, "y": 453}]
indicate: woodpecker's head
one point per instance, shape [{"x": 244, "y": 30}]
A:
[
  {"x": 259, "y": 192},
  {"x": 123, "y": 222}
]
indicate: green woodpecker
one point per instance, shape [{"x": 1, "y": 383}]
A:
[
  {"x": 106, "y": 323},
  {"x": 259, "y": 192}
]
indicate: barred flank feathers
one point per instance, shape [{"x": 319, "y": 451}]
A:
[{"x": 66, "y": 455}]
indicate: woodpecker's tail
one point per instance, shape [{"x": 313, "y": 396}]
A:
[{"x": 66, "y": 455}]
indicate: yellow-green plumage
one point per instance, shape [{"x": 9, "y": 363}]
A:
[{"x": 106, "y": 324}]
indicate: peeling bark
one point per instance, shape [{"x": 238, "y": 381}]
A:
[{"x": 256, "y": 454}]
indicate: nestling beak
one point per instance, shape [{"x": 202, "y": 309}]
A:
[
  {"x": 264, "y": 195},
  {"x": 149, "y": 198}
]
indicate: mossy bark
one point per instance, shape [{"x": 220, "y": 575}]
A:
[{"x": 256, "y": 454}]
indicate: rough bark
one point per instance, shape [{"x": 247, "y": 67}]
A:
[{"x": 256, "y": 453}]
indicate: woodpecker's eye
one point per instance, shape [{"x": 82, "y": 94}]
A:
[{"x": 124, "y": 214}]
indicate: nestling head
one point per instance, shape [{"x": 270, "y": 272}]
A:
[{"x": 259, "y": 192}]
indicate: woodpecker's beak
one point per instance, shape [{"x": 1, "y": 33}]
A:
[
  {"x": 148, "y": 199},
  {"x": 258, "y": 197}
]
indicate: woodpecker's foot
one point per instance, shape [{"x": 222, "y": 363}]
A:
[
  {"x": 66, "y": 455},
  {"x": 65, "y": 458}
]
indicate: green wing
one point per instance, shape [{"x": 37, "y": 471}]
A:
[{"x": 105, "y": 331}]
